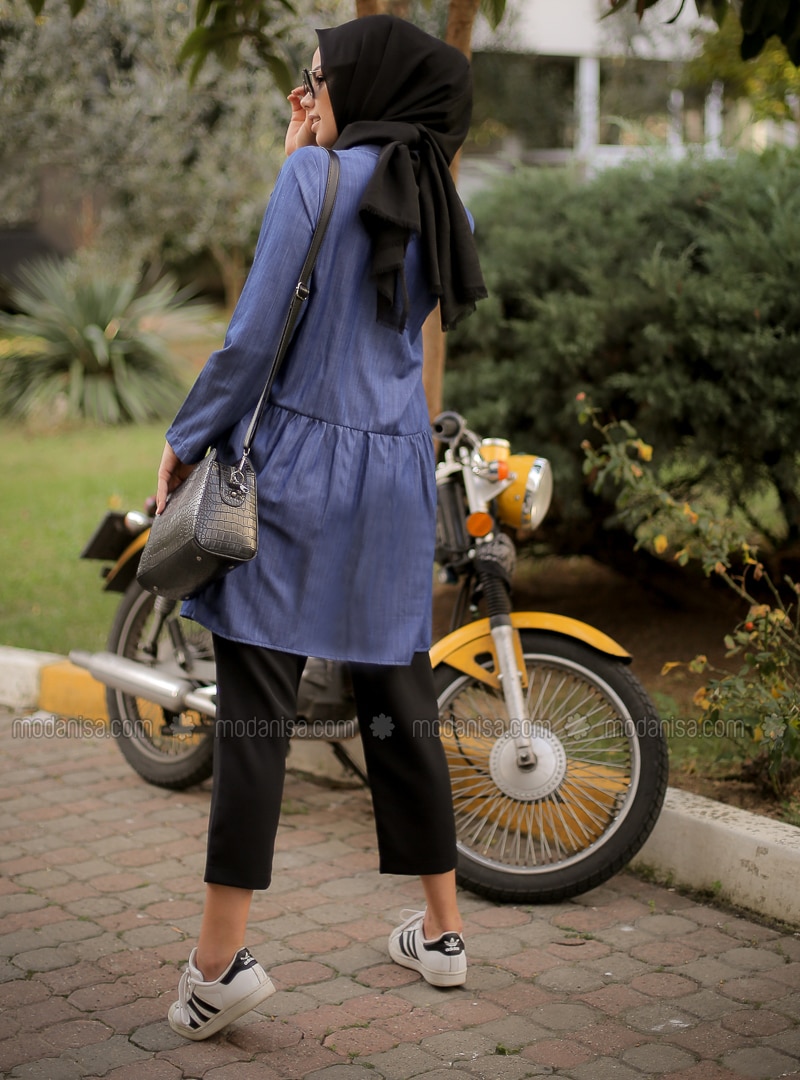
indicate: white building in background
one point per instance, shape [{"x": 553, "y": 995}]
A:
[{"x": 576, "y": 30}]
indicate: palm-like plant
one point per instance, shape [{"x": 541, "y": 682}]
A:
[{"x": 87, "y": 345}]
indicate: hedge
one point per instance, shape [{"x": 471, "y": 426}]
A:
[{"x": 670, "y": 292}]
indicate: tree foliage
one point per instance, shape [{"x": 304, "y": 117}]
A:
[
  {"x": 760, "y": 19},
  {"x": 156, "y": 171},
  {"x": 222, "y": 27},
  {"x": 669, "y": 293},
  {"x": 770, "y": 82}
]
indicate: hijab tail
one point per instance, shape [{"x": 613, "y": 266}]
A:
[
  {"x": 388, "y": 311},
  {"x": 452, "y": 318},
  {"x": 387, "y": 269}
]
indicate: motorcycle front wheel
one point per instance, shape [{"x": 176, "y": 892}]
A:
[
  {"x": 547, "y": 833},
  {"x": 171, "y": 750}
]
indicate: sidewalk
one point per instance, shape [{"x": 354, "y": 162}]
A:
[
  {"x": 100, "y": 896},
  {"x": 746, "y": 860}
]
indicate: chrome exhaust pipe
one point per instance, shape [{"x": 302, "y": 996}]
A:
[
  {"x": 131, "y": 677},
  {"x": 202, "y": 700}
]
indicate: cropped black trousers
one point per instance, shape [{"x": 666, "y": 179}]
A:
[{"x": 406, "y": 765}]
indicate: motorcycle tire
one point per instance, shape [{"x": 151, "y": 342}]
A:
[
  {"x": 590, "y": 802},
  {"x": 169, "y": 750}
]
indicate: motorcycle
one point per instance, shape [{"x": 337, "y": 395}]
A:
[{"x": 558, "y": 762}]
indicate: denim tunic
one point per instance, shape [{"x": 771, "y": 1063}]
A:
[{"x": 343, "y": 454}]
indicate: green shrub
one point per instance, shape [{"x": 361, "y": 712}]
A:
[
  {"x": 86, "y": 345},
  {"x": 668, "y": 291},
  {"x": 760, "y": 698}
]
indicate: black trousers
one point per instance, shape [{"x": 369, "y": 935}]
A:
[{"x": 406, "y": 765}]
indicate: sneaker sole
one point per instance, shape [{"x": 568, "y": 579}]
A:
[
  {"x": 221, "y": 1020},
  {"x": 435, "y": 978}
]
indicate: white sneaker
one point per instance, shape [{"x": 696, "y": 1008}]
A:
[
  {"x": 441, "y": 962},
  {"x": 204, "y": 1007}
]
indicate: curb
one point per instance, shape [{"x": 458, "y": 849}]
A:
[
  {"x": 21, "y": 676},
  {"x": 742, "y": 859}
]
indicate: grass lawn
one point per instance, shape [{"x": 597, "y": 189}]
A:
[{"x": 54, "y": 490}]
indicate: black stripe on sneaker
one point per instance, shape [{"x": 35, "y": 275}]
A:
[
  {"x": 203, "y": 1009},
  {"x": 408, "y": 945}
]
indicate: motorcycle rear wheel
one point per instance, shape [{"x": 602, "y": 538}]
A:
[
  {"x": 169, "y": 750},
  {"x": 587, "y": 807}
]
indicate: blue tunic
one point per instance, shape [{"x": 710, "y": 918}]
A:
[{"x": 343, "y": 454}]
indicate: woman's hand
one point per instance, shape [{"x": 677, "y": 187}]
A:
[
  {"x": 171, "y": 473},
  {"x": 299, "y": 131}
]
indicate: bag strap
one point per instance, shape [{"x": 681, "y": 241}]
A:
[{"x": 300, "y": 295}]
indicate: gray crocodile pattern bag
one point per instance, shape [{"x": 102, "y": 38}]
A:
[
  {"x": 209, "y": 526},
  {"x": 210, "y": 523}
]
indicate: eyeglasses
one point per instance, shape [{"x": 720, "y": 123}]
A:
[{"x": 312, "y": 81}]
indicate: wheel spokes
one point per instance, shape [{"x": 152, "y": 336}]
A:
[
  {"x": 152, "y": 725},
  {"x": 512, "y": 829}
]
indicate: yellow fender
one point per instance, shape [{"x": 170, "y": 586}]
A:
[
  {"x": 461, "y": 649},
  {"x": 122, "y": 572}
]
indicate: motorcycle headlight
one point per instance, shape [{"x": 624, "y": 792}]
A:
[{"x": 525, "y": 502}]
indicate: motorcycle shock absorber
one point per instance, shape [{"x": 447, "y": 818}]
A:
[
  {"x": 495, "y": 558},
  {"x": 162, "y": 609}
]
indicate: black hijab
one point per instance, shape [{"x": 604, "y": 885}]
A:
[{"x": 395, "y": 86}]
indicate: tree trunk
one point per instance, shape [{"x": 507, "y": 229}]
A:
[
  {"x": 232, "y": 270},
  {"x": 370, "y": 7},
  {"x": 460, "y": 21}
]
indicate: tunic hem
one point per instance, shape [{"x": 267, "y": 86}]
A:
[{"x": 400, "y": 661}]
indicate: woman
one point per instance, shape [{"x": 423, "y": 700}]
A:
[{"x": 346, "y": 489}]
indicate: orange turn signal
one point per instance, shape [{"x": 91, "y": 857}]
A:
[{"x": 479, "y": 524}]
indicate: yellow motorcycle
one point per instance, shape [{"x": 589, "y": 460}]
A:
[{"x": 558, "y": 762}]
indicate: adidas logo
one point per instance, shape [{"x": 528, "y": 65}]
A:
[
  {"x": 243, "y": 961},
  {"x": 447, "y": 945}
]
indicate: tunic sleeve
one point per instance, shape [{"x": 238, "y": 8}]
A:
[{"x": 232, "y": 379}]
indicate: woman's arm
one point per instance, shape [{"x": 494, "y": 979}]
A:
[{"x": 231, "y": 382}]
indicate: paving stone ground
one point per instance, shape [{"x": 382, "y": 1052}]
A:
[{"x": 100, "y": 899}]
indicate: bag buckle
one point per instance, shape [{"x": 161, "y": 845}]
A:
[
  {"x": 236, "y": 479},
  {"x": 301, "y": 291}
]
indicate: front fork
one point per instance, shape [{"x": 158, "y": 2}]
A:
[
  {"x": 494, "y": 565},
  {"x": 507, "y": 646}
]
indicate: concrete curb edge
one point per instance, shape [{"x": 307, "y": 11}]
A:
[{"x": 745, "y": 860}]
